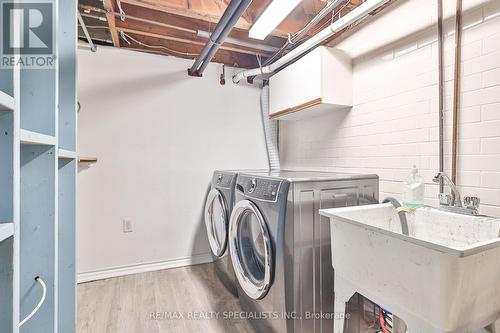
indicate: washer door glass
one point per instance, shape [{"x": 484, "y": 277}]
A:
[
  {"x": 216, "y": 221},
  {"x": 250, "y": 248}
]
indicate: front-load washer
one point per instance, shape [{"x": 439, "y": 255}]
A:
[
  {"x": 218, "y": 208},
  {"x": 280, "y": 247}
]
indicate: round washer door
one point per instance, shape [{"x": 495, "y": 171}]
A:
[
  {"x": 250, "y": 247},
  {"x": 216, "y": 221}
]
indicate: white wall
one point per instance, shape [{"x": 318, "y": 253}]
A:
[
  {"x": 158, "y": 135},
  {"x": 394, "y": 122}
]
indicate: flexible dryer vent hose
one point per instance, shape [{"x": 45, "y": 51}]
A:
[{"x": 270, "y": 131}]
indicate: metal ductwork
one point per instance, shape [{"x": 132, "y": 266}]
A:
[{"x": 233, "y": 13}]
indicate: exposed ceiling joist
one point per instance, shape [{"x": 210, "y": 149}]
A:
[
  {"x": 108, "y": 5},
  {"x": 181, "y": 27},
  {"x": 209, "y": 11},
  {"x": 150, "y": 18},
  {"x": 212, "y": 10}
]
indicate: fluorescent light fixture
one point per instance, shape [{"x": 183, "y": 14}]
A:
[{"x": 274, "y": 14}]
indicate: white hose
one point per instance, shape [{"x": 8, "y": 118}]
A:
[
  {"x": 270, "y": 131},
  {"x": 35, "y": 310}
]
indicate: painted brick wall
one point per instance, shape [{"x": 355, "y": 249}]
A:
[{"x": 394, "y": 123}]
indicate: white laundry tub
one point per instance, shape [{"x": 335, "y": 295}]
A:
[{"x": 444, "y": 277}]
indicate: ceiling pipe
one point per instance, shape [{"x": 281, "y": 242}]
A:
[
  {"x": 93, "y": 48},
  {"x": 356, "y": 14},
  {"x": 233, "y": 13},
  {"x": 239, "y": 42},
  {"x": 226, "y": 17}
]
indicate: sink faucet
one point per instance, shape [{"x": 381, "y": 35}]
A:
[
  {"x": 445, "y": 201},
  {"x": 454, "y": 191}
]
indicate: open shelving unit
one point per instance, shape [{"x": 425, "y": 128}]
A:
[
  {"x": 38, "y": 172},
  {"x": 36, "y": 138},
  {"x": 6, "y": 230},
  {"x": 9, "y": 222},
  {"x": 38, "y": 222},
  {"x": 67, "y": 167},
  {"x": 6, "y": 102}
]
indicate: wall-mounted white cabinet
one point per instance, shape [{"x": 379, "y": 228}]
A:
[{"x": 319, "y": 82}]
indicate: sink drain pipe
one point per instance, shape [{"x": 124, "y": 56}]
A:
[{"x": 401, "y": 213}]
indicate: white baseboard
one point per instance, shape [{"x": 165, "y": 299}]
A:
[{"x": 142, "y": 268}]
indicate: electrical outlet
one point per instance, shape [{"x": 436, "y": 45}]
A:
[{"x": 127, "y": 226}]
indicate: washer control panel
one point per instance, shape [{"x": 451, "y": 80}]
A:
[{"x": 259, "y": 188}]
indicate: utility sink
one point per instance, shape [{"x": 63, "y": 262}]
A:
[{"x": 443, "y": 277}]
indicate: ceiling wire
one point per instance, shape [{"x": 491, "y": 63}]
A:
[
  {"x": 148, "y": 51},
  {"x": 122, "y": 12},
  {"x": 103, "y": 18},
  {"x": 319, "y": 13},
  {"x": 259, "y": 60},
  {"x": 126, "y": 37},
  {"x": 122, "y": 35},
  {"x": 330, "y": 22},
  {"x": 291, "y": 37}
]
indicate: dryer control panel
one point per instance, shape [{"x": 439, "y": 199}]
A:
[
  {"x": 259, "y": 188},
  {"x": 223, "y": 179}
]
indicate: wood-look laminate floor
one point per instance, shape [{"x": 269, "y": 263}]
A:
[
  {"x": 141, "y": 303},
  {"x": 130, "y": 304}
]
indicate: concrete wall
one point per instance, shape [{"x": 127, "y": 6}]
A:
[
  {"x": 158, "y": 135},
  {"x": 394, "y": 123}
]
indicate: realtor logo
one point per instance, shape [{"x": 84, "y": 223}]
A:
[{"x": 27, "y": 33}]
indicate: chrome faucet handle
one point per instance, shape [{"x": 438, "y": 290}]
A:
[
  {"x": 445, "y": 199},
  {"x": 472, "y": 202}
]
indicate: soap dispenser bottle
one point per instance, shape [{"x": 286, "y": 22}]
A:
[{"x": 414, "y": 190}]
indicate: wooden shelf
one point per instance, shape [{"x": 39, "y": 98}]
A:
[
  {"x": 6, "y": 230},
  {"x": 87, "y": 160},
  {"x": 34, "y": 138},
  {"x": 67, "y": 154},
  {"x": 6, "y": 102}
]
